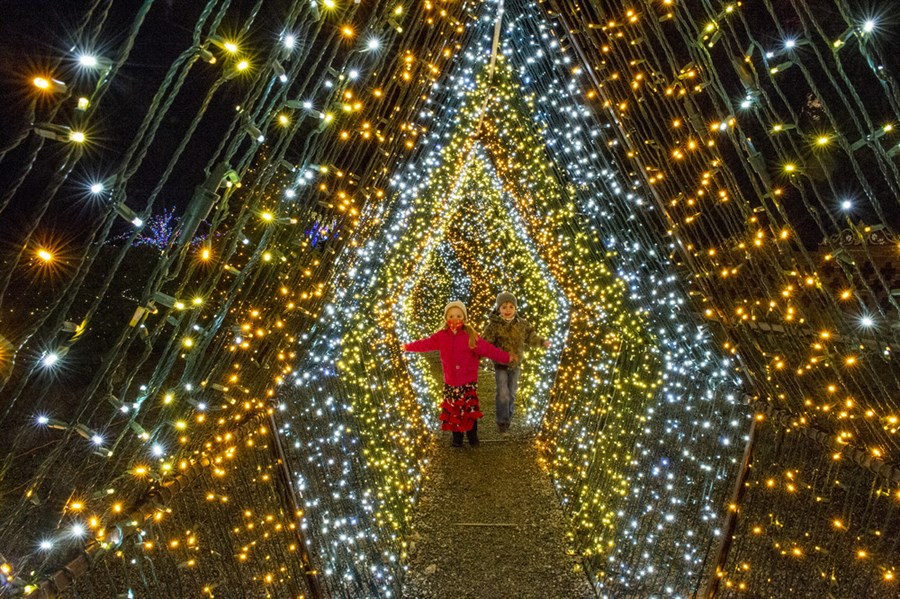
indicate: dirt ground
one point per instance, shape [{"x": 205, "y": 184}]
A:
[{"x": 488, "y": 523}]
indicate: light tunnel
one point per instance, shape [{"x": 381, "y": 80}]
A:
[{"x": 223, "y": 219}]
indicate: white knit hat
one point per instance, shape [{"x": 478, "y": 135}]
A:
[{"x": 456, "y": 304}]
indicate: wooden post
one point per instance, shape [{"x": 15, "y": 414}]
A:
[
  {"x": 284, "y": 474},
  {"x": 731, "y": 519}
]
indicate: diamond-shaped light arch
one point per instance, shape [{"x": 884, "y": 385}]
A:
[{"x": 626, "y": 403}]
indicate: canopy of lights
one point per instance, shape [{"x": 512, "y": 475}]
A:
[{"x": 223, "y": 219}]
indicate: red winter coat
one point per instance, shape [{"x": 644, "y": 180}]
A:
[{"x": 460, "y": 363}]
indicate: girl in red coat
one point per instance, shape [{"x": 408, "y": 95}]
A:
[{"x": 460, "y": 348}]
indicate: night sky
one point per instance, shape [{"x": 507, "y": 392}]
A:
[{"x": 42, "y": 41}]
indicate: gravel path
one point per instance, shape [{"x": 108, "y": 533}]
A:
[{"x": 488, "y": 523}]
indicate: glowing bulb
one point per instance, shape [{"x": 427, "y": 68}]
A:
[
  {"x": 869, "y": 26},
  {"x": 283, "y": 119},
  {"x": 45, "y": 255},
  {"x": 290, "y": 41},
  {"x": 87, "y": 60},
  {"x": 157, "y": 450},
  {"x": 243, "y": 65},
  {"x": 187, "y": 342},
  {"x": 41, "y": 83},
  {"x": 823, "y": 140},
  {"x": 97, "y": 188},
  {"x": 77, "y": 530},
  {"x": 97, "y": 440},
  {"x": 77, "y": 136},
  {"x": 46, "y": 545},
  {"x": 329, "y": 4},
  {"x": 43, "y": 420},
  {"x": 231, "y": 47},
  {"x": 267, "y": 216},
  {"x": 846, "y": 205},
  {"x": 866, "y": 321},
  {"x": 50, "y": 359},
  {"x": 373, "y": 44}
]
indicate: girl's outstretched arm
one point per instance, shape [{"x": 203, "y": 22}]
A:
[
  {"x": 423, "y": 345},
  {"x": 485, "y": 349}
]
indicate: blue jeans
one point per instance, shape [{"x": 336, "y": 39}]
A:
[{"x": 507, "y": 382}]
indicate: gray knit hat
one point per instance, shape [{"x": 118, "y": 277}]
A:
[
  {"x": 505, "y": 296},
  {"x": 456, "y": 304}
]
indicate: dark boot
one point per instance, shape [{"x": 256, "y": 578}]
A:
[
  {"x": 473, "y": 434},
  {"x": 456, "y": 439}
]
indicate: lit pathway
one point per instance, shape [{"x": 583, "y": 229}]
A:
[{"x": 488, "y": 523}]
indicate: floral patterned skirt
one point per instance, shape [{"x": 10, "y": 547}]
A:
[{"x": 460, "y": 408}]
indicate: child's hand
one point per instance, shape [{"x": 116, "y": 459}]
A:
[
  {"x": 513, "y": 358},
  {"x": 546, "y": 343}
]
